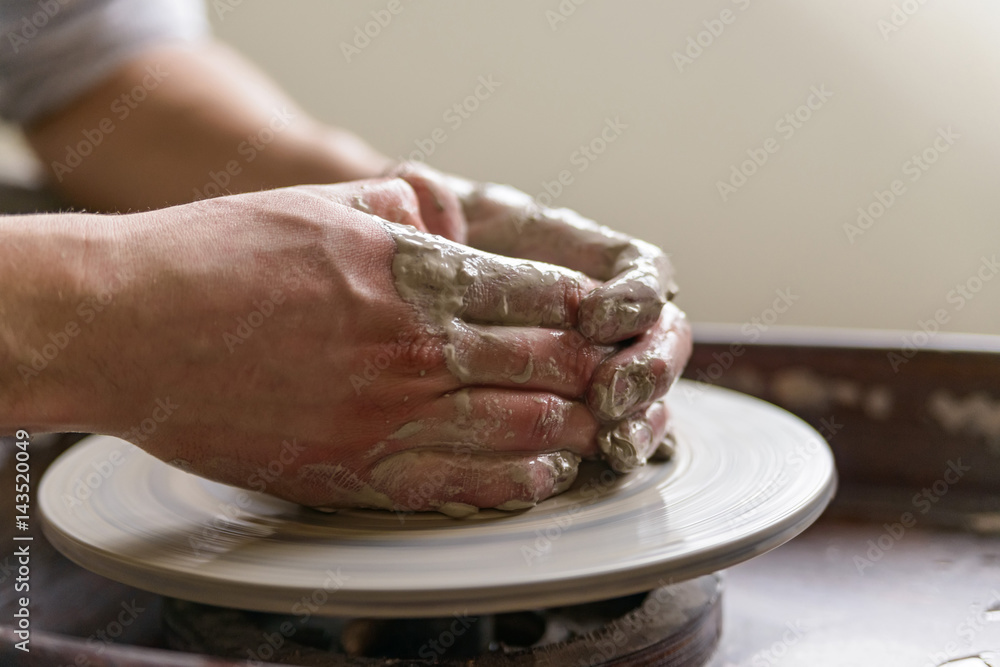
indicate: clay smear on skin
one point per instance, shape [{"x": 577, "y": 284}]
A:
[
  {"x": 631, "y": 385},
  {"x": 561, "y": 467},
  {"x": 391, "y": 474},
  {"x": 508, "y": 221},
  {"x": 460, "y": 432},
  {"x": 435, "y": 275}
]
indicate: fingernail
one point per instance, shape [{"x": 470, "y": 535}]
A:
[
  {"x": 631, "y": 385},
  {"x": 626, "y": 444}
]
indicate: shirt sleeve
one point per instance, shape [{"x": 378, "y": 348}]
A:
[{"x": 52, "y": 51}]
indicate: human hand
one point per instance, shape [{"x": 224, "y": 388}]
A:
[
  {"x": 637, "y": 278},
  {"x": 630, "y": 302},
  {"x": 402, "y": 371}
]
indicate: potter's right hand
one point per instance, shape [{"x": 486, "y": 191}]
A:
[{"x": 402, "y": 371}]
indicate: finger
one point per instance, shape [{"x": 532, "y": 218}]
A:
[
  {"x": 639, "y": 276},
  {"x": 561, "y": 362},
  {"x": 628, "y": 444},
  {"x": 440, "y": 208},
  {"x": 499, "y": 420},
  {"x": 506, "y": 221},
  {"x": 390, "y": 199},
  {"x": 421, "y": 481},
  {"x": 630, "y": 303},
  {"x": 510, "y": 292},
  {"x": 643, "y": 372},
  {"x": 445, "y": 277}
]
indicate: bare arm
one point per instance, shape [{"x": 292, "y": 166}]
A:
[
  {"x": 217, "y": 327},
  {"x": 188, "y": 123},
  {"x": 60, "y": 278}
]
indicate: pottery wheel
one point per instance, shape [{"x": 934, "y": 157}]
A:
[{"x": 746, "y": 478}]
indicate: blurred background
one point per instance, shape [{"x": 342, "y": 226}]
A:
[{"x": 841, "y": 157}]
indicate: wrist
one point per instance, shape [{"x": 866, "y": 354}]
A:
[{"x": 62, "y": 277}]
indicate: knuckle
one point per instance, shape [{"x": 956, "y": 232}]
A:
[
  {"x": 403, "y": 187},
  {"x": 572, "y": 297},
  {"x": 580, "y": 360},
  {"x": 400, "y": 204},
  {"x": 420, "y": 351}
]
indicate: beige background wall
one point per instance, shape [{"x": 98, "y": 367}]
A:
[
  {"x": 892, "y": 91},
  {"x": 685, "y": 127}
]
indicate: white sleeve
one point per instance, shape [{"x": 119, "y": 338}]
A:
[{"x": 51, "y": 51}]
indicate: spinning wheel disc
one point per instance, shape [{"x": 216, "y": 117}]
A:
[{"x": 746, "y": 478}]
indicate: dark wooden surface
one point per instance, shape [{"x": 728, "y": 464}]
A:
[{"x": 894, "y": 433}]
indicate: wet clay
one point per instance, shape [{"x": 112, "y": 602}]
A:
[
  {"x": 447, "y": 465},
  {"x": 447, "y": 477},
  {"x": 631, "y": 385},
  {"x": 506, "y": 221},
  {"x": 627, "y": 445},
  {"x": 456, "y": 287}
]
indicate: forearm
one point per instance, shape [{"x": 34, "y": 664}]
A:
[
  {"x": 178, "y": 124},
  {"x": 60, "y": 276}
]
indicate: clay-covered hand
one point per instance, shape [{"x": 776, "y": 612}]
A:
[
  {"x": 636, "y": 278},
  {"x": 320, "y": 345},
  {"x": 629, "y": 302}
]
